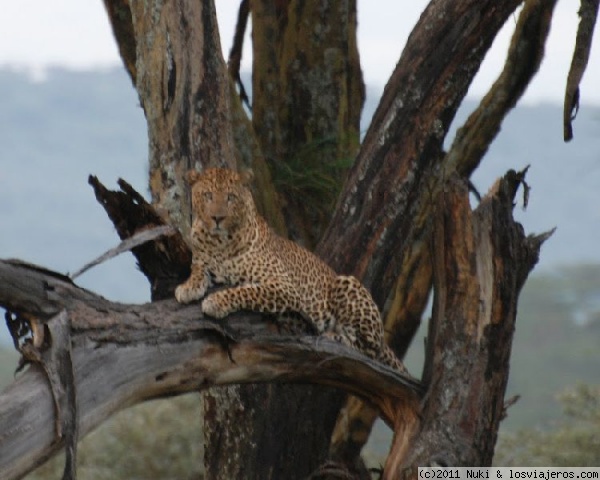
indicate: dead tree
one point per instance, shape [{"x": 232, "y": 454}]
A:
[{"x": 402, "y": 223}]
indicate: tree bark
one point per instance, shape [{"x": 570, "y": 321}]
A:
[
  {"x": 481, "y": 261},
  {"x": 168, "y": 349},
  {"x": 308, "y": 94}
]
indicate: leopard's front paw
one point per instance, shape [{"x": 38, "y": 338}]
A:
[
  {"x": 215, "y": 306},
  {"x": 184, "y": 293}
]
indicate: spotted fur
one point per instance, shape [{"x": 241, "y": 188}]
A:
[{"x": 233, "y": 245}]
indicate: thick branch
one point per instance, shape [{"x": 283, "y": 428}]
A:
[
  {"x": 385, "y": 206},
  {"x": 168, "y": 349}
]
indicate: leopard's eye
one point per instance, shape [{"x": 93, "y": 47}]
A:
[
  {"x": 231, "y": 197},
  {"x": 207, "y": 196}
]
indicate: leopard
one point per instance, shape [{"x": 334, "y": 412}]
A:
[{"x": 233, "y": 246}]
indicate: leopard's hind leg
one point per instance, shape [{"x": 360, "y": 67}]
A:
[
  {"x": 357, "y": 318},
  {"x": 359, "y": 322}
]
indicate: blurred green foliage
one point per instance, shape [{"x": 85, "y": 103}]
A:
[
  {"x": 161, "y": 439},
  {"x": 556, "y": 343},
  {"x": 573, "y": 442}
]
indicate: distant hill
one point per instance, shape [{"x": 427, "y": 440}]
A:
[{"x": 54, "y": 133}]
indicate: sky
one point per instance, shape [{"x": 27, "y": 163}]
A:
[{"x": 36, "y": 34}]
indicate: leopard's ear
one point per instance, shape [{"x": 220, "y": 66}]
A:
[
  {"x": 192, "y": 177},
  {"x": 246, "y": 177}
]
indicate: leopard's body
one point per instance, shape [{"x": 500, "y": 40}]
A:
[{"x": 233, "y": 245}]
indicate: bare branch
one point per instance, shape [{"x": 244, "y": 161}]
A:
[
  {"x": 136, "y": 240},
  {"x": 583, "y": 44},
  {"x": 235, "y": 54}
]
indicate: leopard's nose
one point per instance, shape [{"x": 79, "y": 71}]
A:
[{"x": 217, "y": 220}]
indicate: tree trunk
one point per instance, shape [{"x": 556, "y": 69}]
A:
[
  {"x": 307, "y": 100},
  {"x": 193, "y": 119}
]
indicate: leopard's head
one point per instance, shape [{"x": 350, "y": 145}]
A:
[{"x": 222, "y": 203}]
